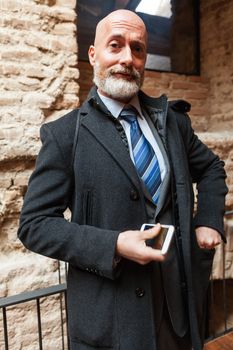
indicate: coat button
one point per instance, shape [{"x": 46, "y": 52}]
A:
[
  {"x": 140, "y": 292},
  {"x": 134, "y": 195}
]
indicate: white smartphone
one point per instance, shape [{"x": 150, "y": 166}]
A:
[{"x": 164, "y": 238}]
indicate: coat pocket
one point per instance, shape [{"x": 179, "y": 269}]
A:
[
  {"x": 87, "y": 206},
  {"x": 91, "y": 309},
  {"x": 79, "y": 345},
  {"x": 202, "y": 266}
]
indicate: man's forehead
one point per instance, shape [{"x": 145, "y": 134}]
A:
[
  {"x": 128, "y": 21},
  {"x": 115, "y": 27}
]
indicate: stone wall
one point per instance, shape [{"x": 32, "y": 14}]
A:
[
  {"x": 39, "y": 81},
  {"x": 217, "y": 61}
]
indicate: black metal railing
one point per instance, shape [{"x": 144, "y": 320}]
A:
[
  {"x": 220, "y": 302},
  {"x": 36, "y": 296}
]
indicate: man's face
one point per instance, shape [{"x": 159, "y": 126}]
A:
[{"x": 119, "y": 56}]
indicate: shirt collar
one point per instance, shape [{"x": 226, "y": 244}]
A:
[{"x": 115, "y": 107}]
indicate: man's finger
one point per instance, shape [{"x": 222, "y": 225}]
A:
[
  {"x": 152, "y": 232},
  {"x": 154, "y": 254}
]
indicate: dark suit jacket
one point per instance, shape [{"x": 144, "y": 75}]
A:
[{"x": 111, "y": 308}]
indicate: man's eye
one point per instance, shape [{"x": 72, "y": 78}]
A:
[
  {"x": 138, "y": 49},
  {"x": 114, "y": 45}
]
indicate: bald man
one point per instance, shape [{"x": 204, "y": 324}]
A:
[{"x": 124, "y": 159}]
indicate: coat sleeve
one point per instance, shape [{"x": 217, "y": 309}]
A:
[
  {"x": 43, "y": 228},
  {"x": 207, "y": 171}
]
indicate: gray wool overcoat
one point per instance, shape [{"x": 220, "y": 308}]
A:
[{"x": 111, "y": 307}]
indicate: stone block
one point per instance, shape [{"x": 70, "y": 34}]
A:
[
  {"x": 63, "y": 14},
  {"x": 72, "y": 60},
  {"x": 11, "y": 132},
  {"x": 65, "y": 43},
  {"x": 10, "y": 68},
  {"x": 66, "y": 3},
  {"x": 5, "y": 37},
  {"x": 72, "y": 88},
  {"x": 20, "y": 53},
  {"x": 64, "y": 29},
  {"x": 21, "y": 115},
  {"x": 38, "y": 99},
  {"x": 39, "y": 70},
  {"x": 67, "y": 101},
  {"x": 10, "y": 98},
  {"x": 49, "y": 42},
  {"x": 28, "y": 84},
  {"x": 71, "y": 73}
]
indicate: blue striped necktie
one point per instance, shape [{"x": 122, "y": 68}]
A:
[{"x": 145, "y": 159}]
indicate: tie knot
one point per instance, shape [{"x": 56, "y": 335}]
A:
[{"x": 129, "y": 114}]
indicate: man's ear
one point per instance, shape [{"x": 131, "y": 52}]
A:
[{"x": 91, "y": 55}]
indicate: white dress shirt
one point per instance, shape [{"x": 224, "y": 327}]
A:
[{"x": 115, "y": 107}]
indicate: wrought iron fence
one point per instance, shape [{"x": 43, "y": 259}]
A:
[{"x": 37, "y": 295}]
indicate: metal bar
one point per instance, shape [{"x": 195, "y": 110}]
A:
[
  {"x": 5, "y": 329},
  {"x": 61, "y": 307},
  {"x": 219, "y": 335},
  {"x": 228, "y": 212},
  {"x": 224, "y": 290},
  {"x": 62, "y": 326},
  {"x": 67, "y": 331},
  {"x": 28, "y": 296},
  {"x": 59, "y": 272},
  {"x": 66, "y": 271},
  {"x": 211, "y": 311},
  {"x": 39, "y": 323}
]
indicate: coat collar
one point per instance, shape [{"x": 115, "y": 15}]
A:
[{"x": 155, "y": 107}]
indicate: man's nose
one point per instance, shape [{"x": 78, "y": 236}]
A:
[{"x": 126, "y": 56}]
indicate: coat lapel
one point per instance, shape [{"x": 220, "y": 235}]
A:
[{"x": 103, "y": 128}]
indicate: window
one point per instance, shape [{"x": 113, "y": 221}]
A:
[{"x": 172, "y": 25}]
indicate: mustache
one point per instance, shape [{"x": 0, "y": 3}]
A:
[{"x": 125, "y": 70}]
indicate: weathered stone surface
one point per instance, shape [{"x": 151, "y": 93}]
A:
[
  {"x": 38, "y": 82},
  {"x": 222, "y": 144},
  {"x": 217, "y": 61}
]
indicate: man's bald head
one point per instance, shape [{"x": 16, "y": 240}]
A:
[{"x": 121, "y": 17}]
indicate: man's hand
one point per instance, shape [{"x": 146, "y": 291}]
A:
[
  {"x": 207, "y": 238},
  {"x": 131, "y": 245}
]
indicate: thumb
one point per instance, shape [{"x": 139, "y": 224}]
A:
[{"x": 152, "y": 232}]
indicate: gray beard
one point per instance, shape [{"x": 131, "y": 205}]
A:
[{"x": 116, "y": 88}]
